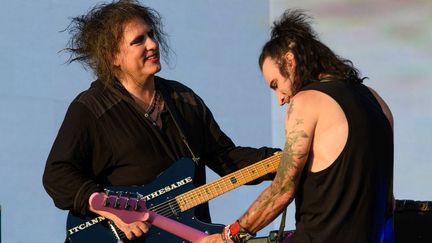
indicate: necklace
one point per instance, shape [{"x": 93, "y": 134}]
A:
[
  {"x": 150, "y": 110},
  {"x": 151, "y": 102}
]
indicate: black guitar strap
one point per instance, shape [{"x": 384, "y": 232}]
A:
[{"x": 174, "y": 114}]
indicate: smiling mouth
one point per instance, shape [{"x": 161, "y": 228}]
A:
[{"x": 153, "y": 57}]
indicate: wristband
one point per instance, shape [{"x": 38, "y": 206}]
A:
[{"x": 236, "y": 233}]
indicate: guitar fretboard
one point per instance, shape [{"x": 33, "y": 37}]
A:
[{"x": 227, "y": 183}]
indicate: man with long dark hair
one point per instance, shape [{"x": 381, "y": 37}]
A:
[{"x": 337, "y": 162}]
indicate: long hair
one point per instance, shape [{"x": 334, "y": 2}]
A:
[
  {"x": 95, "y": 36},
  {"x": 293, "y": 32}
]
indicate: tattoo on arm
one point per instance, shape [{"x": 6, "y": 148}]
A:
[{"x": 286, "y": 173}]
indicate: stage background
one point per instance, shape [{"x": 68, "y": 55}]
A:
[{"x": 217, "y": 43}]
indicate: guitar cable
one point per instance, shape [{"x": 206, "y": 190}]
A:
[{"x": 281, "y": 227}]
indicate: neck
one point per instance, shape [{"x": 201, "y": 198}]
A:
[{"x": 141, "y": 91}]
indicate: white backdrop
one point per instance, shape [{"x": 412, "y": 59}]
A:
[{"x": 217, "y": 43}]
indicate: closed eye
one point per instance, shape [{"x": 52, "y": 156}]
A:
[
  {"x": 273, "y": 84},
  {"x": 138, "y": 40}
]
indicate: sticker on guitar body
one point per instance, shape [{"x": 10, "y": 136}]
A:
[
  {"x": 168, "y": 188},
  {"x": 85, "y": 225}
]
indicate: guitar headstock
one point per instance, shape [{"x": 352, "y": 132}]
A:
[{"x": 129, "y": 207}]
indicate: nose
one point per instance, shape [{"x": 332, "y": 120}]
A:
[
  {"x": 281, "y": 99},
  {"x": 151, "y": 43}
]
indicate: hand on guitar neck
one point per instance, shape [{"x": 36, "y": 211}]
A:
[{"x": 130, "y": 215}]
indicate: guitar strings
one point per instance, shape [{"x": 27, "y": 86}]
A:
[
  {"x": 162, "y": 208},
  {"x": 168, "y": 208}
]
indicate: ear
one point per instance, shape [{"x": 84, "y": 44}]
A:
[
  {"x": 290, "y": 60},
  {"x": 115, "y": 59}
]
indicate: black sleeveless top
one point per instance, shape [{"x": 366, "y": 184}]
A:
[{"x": 348, "y": 201}]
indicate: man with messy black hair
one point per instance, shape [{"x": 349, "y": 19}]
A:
[
  {"x": 337, "y": 162},
  {"x": 131, "y": 125}
]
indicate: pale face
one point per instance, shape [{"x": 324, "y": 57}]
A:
[
  {"x": 282, "y": 86},
  {"x": 138, "y": 57}
]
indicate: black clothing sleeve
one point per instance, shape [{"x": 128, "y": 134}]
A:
[{"x": 68, "y": 176}]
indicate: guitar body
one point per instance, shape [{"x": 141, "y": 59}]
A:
[{"x": 160, "y": 198}]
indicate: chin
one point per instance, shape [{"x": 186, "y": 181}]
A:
[
  {"x": 158, "y": 69},
  {"x": 155, "y": 70}
]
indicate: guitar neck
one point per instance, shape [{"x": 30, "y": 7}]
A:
[{"x": 227, "y": 183}]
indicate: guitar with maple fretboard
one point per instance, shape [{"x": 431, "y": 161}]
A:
[{"x": 171, "y": 195}]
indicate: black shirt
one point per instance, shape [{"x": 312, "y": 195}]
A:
[
  {"x": 349, "y": 200},
  {"x": 105, "y": 139}
]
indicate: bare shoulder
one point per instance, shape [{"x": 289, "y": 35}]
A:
[
  {"x": 304, "y": 106},
  {"x": 312, "y": 102},
  {"x": 308, "y": 98},
  {"x": 384, "y": 106},
  {"x": 302, "y": 103}
]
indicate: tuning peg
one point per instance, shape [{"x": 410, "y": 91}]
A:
[
  {"x": 117, "y": 203},
  {"x": 137, "y": 206},
  {"x": 127, "y": 205},
  {"x": 106, "y": 202}
]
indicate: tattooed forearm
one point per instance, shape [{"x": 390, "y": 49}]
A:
[
  {"x": 281, "y": 192},
  {"x": 287, "y": 170}
]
